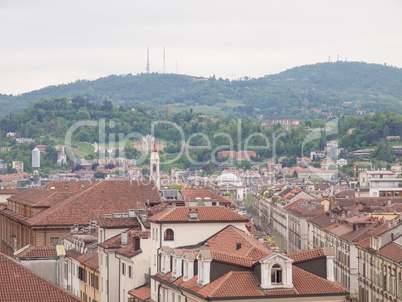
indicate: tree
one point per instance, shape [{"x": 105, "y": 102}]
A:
[
  {"x": 99, "y": 175},
  {"x": 177, "y": 187},
  {"x": 110, "y": 166},
  {"x": 106, "y": 106},
  {"x": 321, "y": 145}
]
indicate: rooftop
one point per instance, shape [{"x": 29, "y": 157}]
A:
[
  {"x": 204, "y": 214},
  {"x": 20, "y": 284}
]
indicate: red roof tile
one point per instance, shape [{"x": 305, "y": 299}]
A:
[
  {"x": 20, "y": 284},
  {"x": 115, "y": 196},
  {"x": 115, "y": 241},
  {"x": 233, "y": 284},
  {"x": 37, "y": 252},
  {"x": 307, "y": 255},
  {"x": 235, "y": 243},
  {"x": 205, "y": 214},
  {"x": 90, "y": 262},
  {"x": 142, "y": 293},
  {"x": 191, "y": 195},
  {"x": 308, "y": 283},
  {"x": 392, "y": 251}
]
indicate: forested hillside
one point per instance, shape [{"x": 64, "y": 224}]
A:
[
  {"x": 49, "y": 120},
  {"x": 313, "y": 91}
]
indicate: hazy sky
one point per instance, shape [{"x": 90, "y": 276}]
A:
[{"x": 50, "y": 42}]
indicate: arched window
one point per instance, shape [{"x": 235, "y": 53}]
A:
[
  {"x": 276, "y": 274},
  {"x": 169, "y": 235}
]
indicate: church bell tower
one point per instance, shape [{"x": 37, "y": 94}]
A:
[{"x": 154, "y": 167}]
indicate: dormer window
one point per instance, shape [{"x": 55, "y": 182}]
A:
[
  {"x": 276, "y": 271},
  {"x": 276, "y": 274}
]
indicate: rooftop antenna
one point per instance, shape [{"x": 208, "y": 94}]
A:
[
  {"x": 176, "y": 66},
  {"x": 164, "y": 61},
  {"x": 147, "y": 69}
]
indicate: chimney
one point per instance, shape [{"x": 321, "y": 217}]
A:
[
  {"x": 89, "y": 254},
  {"x": 123, "y": 238}
]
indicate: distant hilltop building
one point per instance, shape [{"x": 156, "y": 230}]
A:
[
  {"x": 23, "y": 140},
  {"x": 18, "y": 166},
  {"x": 148, "y": 143},
  {"x": 11, "y": 134},
  {"x": 41, "y": 148},
  {"x": 241, "y": 155},
  {"x": 3, "y": 167},
  {"x": 286, "y": 123}
]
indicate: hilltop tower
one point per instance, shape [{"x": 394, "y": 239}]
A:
[
  {"x": 154, "y": 167},
  {"x": 147, "y": 69},
  {"x": 164, "y": 61}
]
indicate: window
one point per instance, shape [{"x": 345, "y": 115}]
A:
[
  {"x": 130, "y": 271},
  {"x": 81, "y": 273},
  {"x": 54, "y": 240},
  {"x": 169, "y": 235},
  {"x": 123, "y": 268},
  {"x": 96, "y": 282},
  {"x": 276, "y": 274}
]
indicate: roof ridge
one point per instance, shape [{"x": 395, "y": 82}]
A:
[{"x": 58, "y": 206}]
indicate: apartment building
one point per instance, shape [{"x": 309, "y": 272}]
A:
[{"x": 380, "y": 266}]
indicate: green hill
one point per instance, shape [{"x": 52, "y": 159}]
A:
[{"x": 311, "y": 91}]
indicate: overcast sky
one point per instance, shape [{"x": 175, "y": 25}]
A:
[{"x": 50, "y": 42}]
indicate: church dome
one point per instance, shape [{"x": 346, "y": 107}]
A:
[{"x": 228, "y": 177}]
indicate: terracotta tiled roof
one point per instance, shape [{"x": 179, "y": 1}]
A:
[
  {"x": 392, "y": 251},
  {"x": 9, "y": 191},
  {"x": 205, "y": 214},
  {"x": 110, "y": 223},
  {"x": 115, "y": 241},
  {"x": 245, "y": 284},
  {"x": 308, "y": 283},
  {"x": 116, "y": 196},
  {"x": 20, "y": 284},
  {"x": 234, "y": 242},
  {"x": 73, "y": 254},
  {"x": 279, "y": 292},
  {"x": 322, "y": 220},
  {"x": 68, "y": 186},
  {"x": 307, "y": 255},
  {"x": 203, "y": 193},
  {"x": 37, "y": 252},
  {"x": 90, "y": 262},
  {"x": 233, "y": 284},
  {"x": 142, "y": 293},
  {"x": 224, "y": 257},
  {"x": 38, "y": 197},
  {"x": 345, "y": 194}
]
